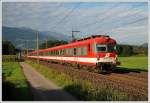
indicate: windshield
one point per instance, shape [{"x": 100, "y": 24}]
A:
[
  {"x": 101, "y": 48},
  {"x": 105, "y": 48},
  {"x": 111, "y": 48}
]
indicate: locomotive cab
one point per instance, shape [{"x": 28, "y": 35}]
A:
[{"x": 106, "y": 56}]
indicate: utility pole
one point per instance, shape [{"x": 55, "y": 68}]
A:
[
  {"x": 46, "y": 43},
  {"x": 27, "y": 47},
  {"x": 37, "y": 46},
  {"x": 73, "y": 37}
]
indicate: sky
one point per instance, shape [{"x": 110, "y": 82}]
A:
[{"x": 126, "y": 22}]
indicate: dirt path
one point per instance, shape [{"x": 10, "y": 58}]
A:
[{"x": 42, "y": 88}]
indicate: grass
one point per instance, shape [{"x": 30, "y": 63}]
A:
[
  {"x": 9, "y": 58},
  {"x": 138, "y": 63},
  {"x": 82, "y": 89},
  {"x": 15, "y": 85}
]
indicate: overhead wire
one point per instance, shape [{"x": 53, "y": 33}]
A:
[
  {"x": 105, "y": 18},
  {"x": 66, "y": 16},
  {"x": 126, "y": 22}
]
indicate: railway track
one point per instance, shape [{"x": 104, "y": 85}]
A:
[{"x": 132, "y": 83}]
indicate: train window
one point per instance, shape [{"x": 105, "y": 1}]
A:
[
  {"x": 54, "y": 52},
  {"x": 60, "y": 52},
  {"x": 44, "y": 53},
  {"x": 72, "y": 51},
  {"x": 57, "y": 52},
  {"x": 84, "y": 51},
  {"x": 69, "y": 52},
  {"x": 64, "y": 51},
  {"x": 94, "y": 47},
  {"x": 101, "y": 48},
  {"x": 47, "y": 53},
  {"x": 79, "y": 51}
]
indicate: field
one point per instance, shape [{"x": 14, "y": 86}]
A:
[
  {"x": 15, "y": 85},
  {"x": 84, "y": 85},
  {"x": 134, "y": 63}
]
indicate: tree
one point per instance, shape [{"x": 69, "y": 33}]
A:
[
  {"x": 8, "y": 48},
  {"x": 52, "y": 43},
  {"x": 125, "y": 50}
]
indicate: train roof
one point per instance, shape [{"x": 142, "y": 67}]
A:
[{"x": 94, "y": 38}]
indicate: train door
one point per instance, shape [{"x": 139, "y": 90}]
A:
[{"x": 89, "y": 49}]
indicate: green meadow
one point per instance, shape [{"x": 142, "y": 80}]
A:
[{"x": 133, "y": 62}]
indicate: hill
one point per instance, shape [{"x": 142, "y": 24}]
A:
[
  {"x": 144, "y": 45},
  {"x": 19, "y": 36}
]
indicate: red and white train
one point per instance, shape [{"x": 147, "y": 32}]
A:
[{"x": 98, "y": 51}]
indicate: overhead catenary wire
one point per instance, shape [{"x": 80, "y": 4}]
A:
[
  {"x": 86, "y": 26},
  {"x": 126, "y": 24},
  {"x": 66, "y": 16}
]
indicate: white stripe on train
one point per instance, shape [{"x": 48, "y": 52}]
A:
[{"x": 77, "y": 59}]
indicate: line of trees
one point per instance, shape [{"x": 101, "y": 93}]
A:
[
  {"x": 52, "y": 43},
  {"x": 8, "y": 48},
  {"x": 129, "y": 50}
]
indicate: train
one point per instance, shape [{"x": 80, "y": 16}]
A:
[{"x": 97, "y": 52}]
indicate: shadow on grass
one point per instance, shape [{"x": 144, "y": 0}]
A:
[
  {"x": 123, "y": 70},
  {"x": 41, "y": 94},
  {"x": 12, "y": 93}
]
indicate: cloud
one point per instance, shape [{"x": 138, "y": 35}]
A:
[{"x": 89, "y": 18}]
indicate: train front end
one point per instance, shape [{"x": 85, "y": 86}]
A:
[{"x": 106, "y": 54}]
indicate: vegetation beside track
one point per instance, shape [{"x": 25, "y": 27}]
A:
[
  {"x": 134, "y": 63},
  {"x": 15, "y": 85},
  {"x": 82, "y": 89},
  {"x": 8, "y": 58}
]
